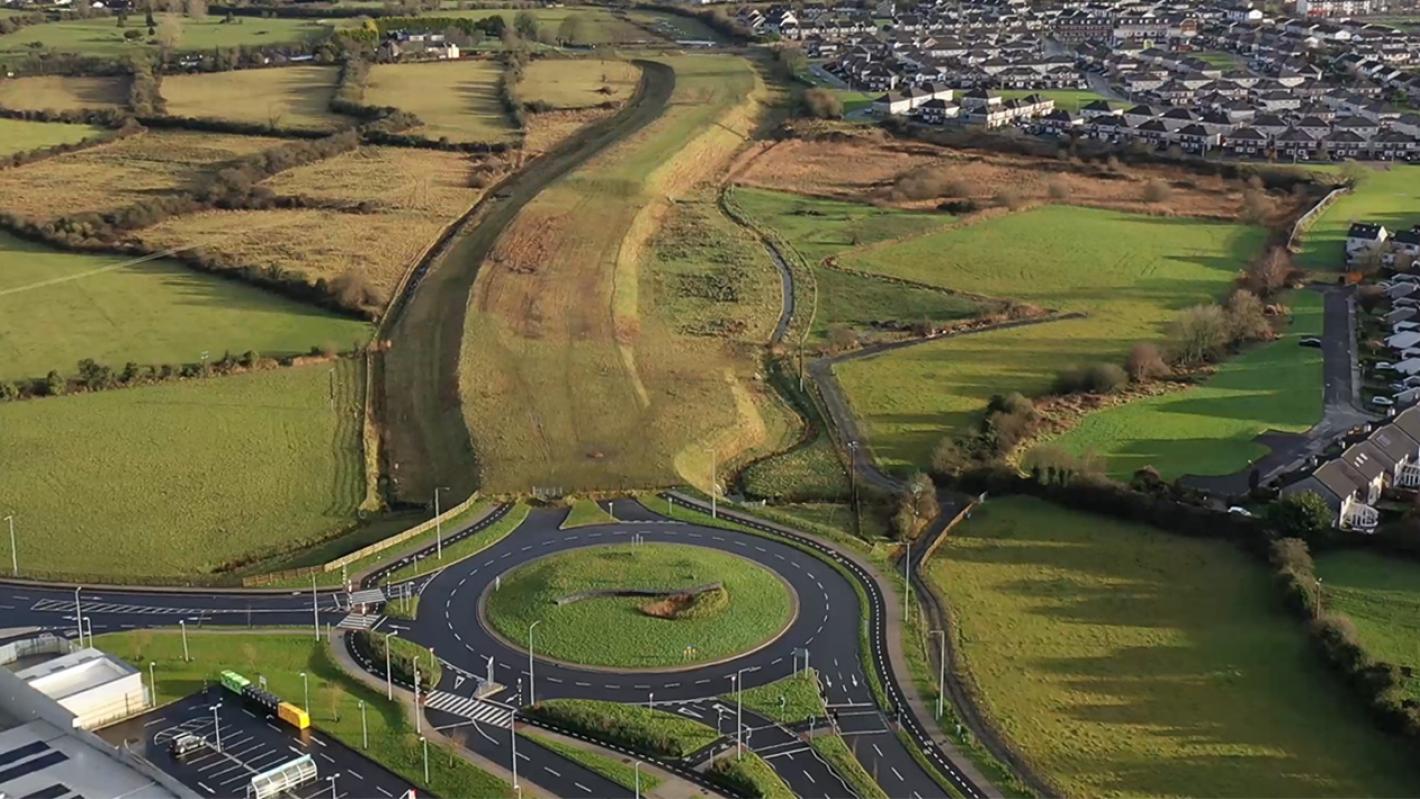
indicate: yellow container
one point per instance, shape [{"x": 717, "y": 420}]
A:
[{"x": 293, "y": 715}]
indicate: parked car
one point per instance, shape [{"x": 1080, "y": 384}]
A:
[
  {"x": 1383, "y": 402},
  {"x": 185, "y": 745},
  {"x": 1310, "y": 341},
  {"x": 1406, "y": 279},
  {"x": 1238, "y": 510},
  {"x": 1385, "y": 366}
]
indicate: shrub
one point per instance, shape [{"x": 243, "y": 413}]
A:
[
  {"x": 1157, "y": 191},
  {"x": 821, "y": 104},
  {"x": 1145, "y": 362},
  {"x": 1099, "y": 378},
  {"x": 1199, "y": 334},
  {"x": 921, "y": 183},
  {"x": 1304, "y": 515}
]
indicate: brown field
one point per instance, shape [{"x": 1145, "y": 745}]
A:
[
  {"x": 820, "y": 167},
  {"x": 569, "y": 83},
  {"x": 598, "y": 353},
  {"x": 548, "y": 129},
  {"x": 116, "y": 175},
  {"x": 415, "y": 194},
  {"x": 457, "y": 100},
  {"x": 288, "y": 97},
  {"x": 59, "y": 93}
]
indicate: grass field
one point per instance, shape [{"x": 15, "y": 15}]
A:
[
  {"x": 101, "y": 36},
  {"x": 615, "y": 631},
  {"x": 289, "y": 97},
  {"x": 1381, "y": 594},
  {"x": 335, "y": 697},
  {"x": 1070, "y": 99},
  {"x": 457, "y": 100},
  {"x": 120, "y": 173},
  {"x": 57, "y": 308},
  {"x": 183, "y": 478},
  {"x": 674, "y": 26},
  {"x": 413, "y": 194},
  {"x": 1142, "y": 663},
  {"x": 63, "y": 93},
  {"x": 576, "y": 295},
  {"x": 578, "y": 82},
  {"x": 1210, "y": 429},
  {"x": 1131, "y": 274},
  {"x": 18, "y": 135},
  {"x": 1389, "y": 196},
  {"x": 586, "y": 512}
]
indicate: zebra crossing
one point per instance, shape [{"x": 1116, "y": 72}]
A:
[
  {"x": 359, "y": 621},
  {"x": 367, "y": 596},
  {"x": 467, "y": 707}
]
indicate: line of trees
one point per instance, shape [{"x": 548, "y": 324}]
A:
[{"x": 94, "y": 376}]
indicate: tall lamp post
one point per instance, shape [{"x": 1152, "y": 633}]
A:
[
  {"x": 79, "y": 615},
  {"x": 305, "y": 691},
  {"x": 14, "y": 553},
  {"x": 438, "y": 524},
  {"x": 532, "y": 691},
  {"x": 941, "y": 667},
  {"x": 389, "y": 675}
]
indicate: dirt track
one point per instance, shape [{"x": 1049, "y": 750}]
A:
[{"x": 426, "y": 442}]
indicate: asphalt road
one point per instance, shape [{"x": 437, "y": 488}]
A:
[{"x": 448, "y": 621}]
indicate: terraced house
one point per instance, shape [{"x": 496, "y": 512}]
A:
[{"x": 1352, "y": 483}]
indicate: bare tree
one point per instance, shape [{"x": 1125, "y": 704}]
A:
[
  {"x": 1246, "y": 319},
  {"x": 1145, "y": 362},
  {"x": 1199, "y": 334},
  {"x": 1270, "y": 272}
]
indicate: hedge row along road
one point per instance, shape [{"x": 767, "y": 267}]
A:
[{"x": 448, "y": 620}]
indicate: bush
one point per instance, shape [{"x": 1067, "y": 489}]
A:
[
  {"x": 922, "y": 183},
  {"x": 1100, "y": 378},
  {"x": 1157, "y": 191},
  {"x": 1303, "y": 515},
  {"x": 821, "y": 104},
  {"x": 1145, "y": 362}
]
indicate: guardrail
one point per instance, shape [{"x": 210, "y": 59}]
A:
[{"x": 366, "y": 551}]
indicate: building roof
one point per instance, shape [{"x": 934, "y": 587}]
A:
[
  {"x": 1368, "y": 461},
  {"x": 1364, "y": 230}
]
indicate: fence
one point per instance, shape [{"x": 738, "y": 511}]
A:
[
  {"x": 1305, "y": 220},
  {"x": 363, "y": 552}
]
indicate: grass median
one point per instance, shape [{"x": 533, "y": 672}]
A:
[
  {"x": 789, "y": 700},
  {"x": 836, "y": 753},
  {"x": 453, "y": 553},
  {"x": 750, "y": 775},
  {"x": 656, "y": 733},
  {"x": 617, "y": 770}
]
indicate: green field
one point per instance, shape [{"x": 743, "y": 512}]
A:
[
  {"x": 1389, "y": 195},
  {"x": 182, "y": 478},
  {"x": 1210, "y": 429},
  {"x": 335, "y": 697},
  {"x": 288, "y": 97},
  {"x": 57, "y": 308},
  {"x": 456, "y": 100},
  {"x": 19, "y": 135},
  {"x": 819, "y": 228},
  {"x": 615, "y": 631},
  {"x": 101, "y": 36},
  {"x": 1143, "y": 663},
  {"x": 1069, "y": 99},
  {"x": 64, "y": 92},
  {"x": 1130, "y": 274},
  {"x": 674, "y": 26},
  {"x": 1381, "y": 594}
]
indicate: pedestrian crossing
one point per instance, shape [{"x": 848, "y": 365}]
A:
[
  {"x": 368, "y": 596},
  {"x": 359, "y": 621},
  {"x": 470, "y": 708}
]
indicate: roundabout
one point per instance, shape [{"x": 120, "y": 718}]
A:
[{"x": 640, "y": 606}]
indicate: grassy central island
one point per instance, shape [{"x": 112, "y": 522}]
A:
[{"x": 641, "y": 605}]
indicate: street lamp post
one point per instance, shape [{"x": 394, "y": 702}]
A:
[
  {"x": 364, "y": 731},
  {"x": 217, "y": 726},
  {"x": 89, "y": 628},
  {"x": 418, "y": 714},
  {"x": 14, "y": 553},
  {"x": 532, "y": 690},
  {"x": 152, "y": 682},
  {"x": 438, "y": 524},
  {"x": 183, "y": 624},
  {"x": 636, "y": 771},
  {"x": 853, "y": 482},
  {"x": 389, "y": 675},
  {"x": 79, "y": 614},
  {"x": 315, "y": 608},
  {"x": 513, "y": 736},
  {"x": 306, "y": 691},
  {"x": 425, "y": 742},
  {"x": 714, "y": 481},
  {"x": 941, "y": 667}
]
